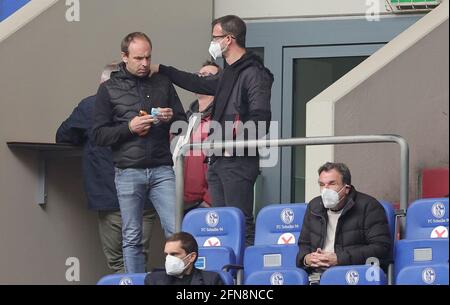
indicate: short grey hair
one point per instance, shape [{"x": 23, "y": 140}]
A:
[{"x": 107, "y": 70}]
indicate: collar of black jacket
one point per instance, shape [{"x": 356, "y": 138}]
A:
[{"x": 124, "y": 73}]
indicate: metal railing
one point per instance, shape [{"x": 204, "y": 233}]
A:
[{"x": 359, "y": 139}]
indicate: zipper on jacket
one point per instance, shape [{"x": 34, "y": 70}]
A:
[{"x": 143, "y": 106}]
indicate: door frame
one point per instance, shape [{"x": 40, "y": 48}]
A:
[{"x": 277, "y": 37}]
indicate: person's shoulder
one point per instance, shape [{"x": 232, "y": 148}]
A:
[
  {"x": 366, "y": 199},
  {"x": 87, "y": 101},
  {"x": 315, "y": 203},
  {"x": 159, "y": 78},
  {"x": 155, "y": 276},
  {"x": 210, "y": 277},
  {"x": 258, "y": 72}
]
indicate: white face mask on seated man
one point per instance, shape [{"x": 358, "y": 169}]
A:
[
  {"x": 330, "y": 198},
  {"x": 175, "y": 265}
]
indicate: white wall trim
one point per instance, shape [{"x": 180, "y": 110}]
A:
[
  {"x": 24, "y": 15},
  {"x": 320, "y": 110}
]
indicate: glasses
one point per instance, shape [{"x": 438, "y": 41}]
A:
[
  {"x": 222, "y": 36},
  {"x": 203, "y": 74}
]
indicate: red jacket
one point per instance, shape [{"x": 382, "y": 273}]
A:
[{"x": 195, "y": 184}]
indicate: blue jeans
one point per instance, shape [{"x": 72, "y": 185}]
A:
[{"x": 134, "y": 186}]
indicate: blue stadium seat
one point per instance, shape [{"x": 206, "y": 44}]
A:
[
  {"x": 354, "y": 275},
  {"x": 390, "y": 214},
  {"x": 434, "y": 274},
  {"x": 217, "y": 227},
  {"x": 214, "y": 259},
  {"x": 422, "y": 252},
  {"x": 279, "y": 224},
  {"x": 268, "y": 259},
  {"x": 123, "y": 279},
  {"x": 427, "y": 218},
  {"x": 287, "y": 276}
]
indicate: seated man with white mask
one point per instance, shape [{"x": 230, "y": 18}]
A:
[
  {"x": 181, "y": 251},
  {"x": 342, "y": 226}
]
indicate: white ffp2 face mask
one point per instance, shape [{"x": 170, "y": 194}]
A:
[
  {"x": 215, "y": 50},
  {"x": 330, "y": 198},
  {"x": 175, "y": 265}
]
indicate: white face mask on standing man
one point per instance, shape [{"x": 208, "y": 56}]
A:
[{"x": 215, "y": 49}]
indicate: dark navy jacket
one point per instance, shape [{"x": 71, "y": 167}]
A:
[
  {"x": 98, "y": 168},
  {"x": 199, "y": 277}
]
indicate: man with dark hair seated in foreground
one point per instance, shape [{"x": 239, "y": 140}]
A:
[{"x": 181, "y": 251}]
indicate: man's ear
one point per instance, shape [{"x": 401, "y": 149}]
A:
[
  {"x": 347, "y": 189},
  {"x": 194, "y": 256},
  {"x": 124, "y": 57}
]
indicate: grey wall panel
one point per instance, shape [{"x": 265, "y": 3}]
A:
[{"x": 47, "y": 67}]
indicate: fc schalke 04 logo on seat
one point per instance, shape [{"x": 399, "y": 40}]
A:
[
  {"x": 352, "y": 277},
  {"x": 438, "y": 210},
  {"x": 276, "y": 279},
  {"x": 287, "y": 216},
  {"x": 125, "y": 281},
  {"x": 212, "y": 219},
  {"x": 428, "y": 275}
]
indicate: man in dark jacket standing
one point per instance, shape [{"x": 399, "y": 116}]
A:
[
  {"x": 342, "y": 226},
  {"x": 139, "y": 142},
  {"x": 241, "y": 95},
  {"x": 98, "y": 174},
  {"x": 181, "y": 252}
]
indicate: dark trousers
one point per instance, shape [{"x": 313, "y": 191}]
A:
[{"x": 231, "y": 183}]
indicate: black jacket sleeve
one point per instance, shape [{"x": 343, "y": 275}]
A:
[
  {"x": 75, "y": 128},
  {"x": 190, "y": 81},
  {"x": 377, "y": 238},
  {"x": 105, "y": 131},
  {"x": 304, "y": 242},
  {"x": 259, "y": 93}
]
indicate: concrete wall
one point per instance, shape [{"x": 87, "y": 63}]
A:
[
  {"x": 408, "y": 97},
  {"x": 48, "y": 66},
  {"x": 250, "y": 9}
]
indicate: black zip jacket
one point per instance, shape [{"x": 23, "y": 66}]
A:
[
  {"x": 241, "y": 91},
  {"x": 118, "y": 101},
  {"x": 362, "y": 231}
]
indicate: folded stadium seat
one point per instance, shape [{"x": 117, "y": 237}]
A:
[
  {"x": 391, "y": 218},
  {"x": 214, "y": 259},
  {"x": 279, "y": 224},
  {"x": 278, "y": 277},
  {"x": 427, "y": 218},
  {"x": 390, "y": 214},
  {"x": 421, "y": 253},
  {"x": 123, "y": 279},
  {"x": 222, "y": 228},
  {"x": 434, "y": 274},
  {"x": 273, "y": 265},
  {"x": 434, "y": 182},
  {"x": 354, "y": 275}
]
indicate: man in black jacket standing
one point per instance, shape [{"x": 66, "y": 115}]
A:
[
  {"x": 241, "y": 95},
  {"x": 342, "y": 226},
  {"x": 98, "y": 174},
  {"x": 139, "y": 142}
]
